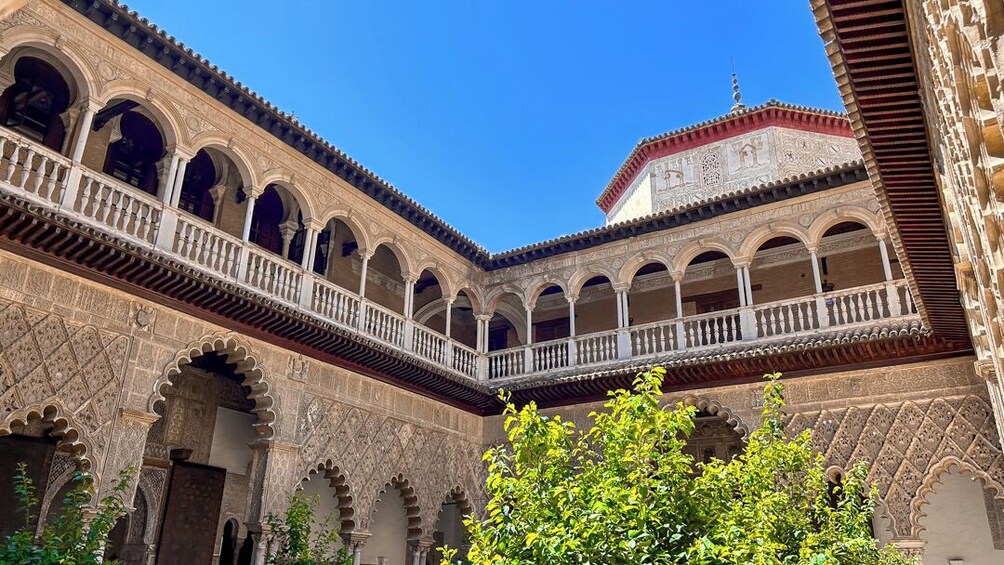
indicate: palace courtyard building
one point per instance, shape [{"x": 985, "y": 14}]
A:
[{"x": 195, "y": 284}]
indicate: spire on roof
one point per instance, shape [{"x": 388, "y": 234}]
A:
[{"x": 736, "y": 95}]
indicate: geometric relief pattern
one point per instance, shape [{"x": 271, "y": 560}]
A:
[
  {"x": 370, "y": 450},
  {"x": 41, "y": 355},
  {"x": 907, "y": 443}
]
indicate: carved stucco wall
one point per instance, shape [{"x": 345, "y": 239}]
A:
[{"x": 56, "y": 328}]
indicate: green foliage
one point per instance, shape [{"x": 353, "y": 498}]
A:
[
  {"x": 300, "y": 539},
  {"x": 624, "y": 492},
  {"x": 79, "y": 535}
]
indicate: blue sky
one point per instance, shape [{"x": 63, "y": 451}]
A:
[{"x": 506, "y": 119}]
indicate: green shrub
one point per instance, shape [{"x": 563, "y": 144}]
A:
[
  {"x": 79, "y": 535},
  {"x": 300, "y": 539},
  {"x": 625, "y": 492}
]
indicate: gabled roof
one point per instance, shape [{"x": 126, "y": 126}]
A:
[{"x": 773, "y": 113}]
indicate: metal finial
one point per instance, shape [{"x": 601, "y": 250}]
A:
[{"x": 736, "y": 95}]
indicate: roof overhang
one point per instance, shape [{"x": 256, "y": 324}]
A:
[{"x": 868, "y": 43}]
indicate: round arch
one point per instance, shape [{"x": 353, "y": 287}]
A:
[
  {"x": 346, "y": 217},
  {"x": 536, "y": 288},
  {"x": 446, "y": 283},
  {"x": 403, "y": 259},
  {"x": 304, "y": 202},
  {"x": 165, "y": 115},
  {"x": 764, "y": 234},
  {"x": 581, "y": 276},
  {"x": 237, "y": 155},
  {"x": 239, "y": 354},
  {"x": 21, "y": 41},
  {"x": 692, "y": 250},
  {"x": 840, "y": 215},
  {"x": 631, "y": 267}
]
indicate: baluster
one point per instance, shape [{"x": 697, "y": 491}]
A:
[
  {"x": 12, "y": 164},
  {"x": 43, "y": 162},
  {"x": 26, "y": 169},
  {"x": 50, "y": 186}
]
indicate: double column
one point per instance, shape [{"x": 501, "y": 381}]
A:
[
  {"x": 242, "y": 262},
  {"x": 623, "y": 321},
  {"x": 747, "y": 323},
  {"x": 354, "y": 543},
  {"x": 365, "y": 255},
  {"x": 409, "y": 309},
  {"x": 822, "y": 313},
  {"x": 88, "y": 110},
  {"x": 482, "y": 320},
  {"x": 681, "y": 331},
  {"x": 891, "y": 290},
  {"x": 310, "y": 231},
  {"x": 169, "y": 193}
]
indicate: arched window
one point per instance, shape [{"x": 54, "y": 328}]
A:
[
  {"x": 134, "y": 157},
  {"x": 34, "y": 104},
  {"x": 199, "y": 178},
  {"x": 268, "y": 214}
]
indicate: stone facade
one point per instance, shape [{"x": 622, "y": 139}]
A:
[{"x": 124, "y": 381}]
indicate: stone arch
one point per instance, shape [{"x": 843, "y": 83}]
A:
[
  {"x": 540, "y": 285},
  {"x": 229, "y": 147},
  {"x": 236, "y": 352},
  {"x": 446, "y": 284},
  {"x": 166, "y": 116},
  {"x": 764, "y": 234},
  {"x": 64, "y": 426},
  {"x": 411, "y": 507},
  {"x": 839, "y": 215},
  {"x": 304, "y": 201},
  {"x": 347, "y": 217},
  {"x": 338, "y": 481},
  {"x": 474, "y": 295},
  {"x": 402, "y": 256},
  {"x": 66, "y": 57},
  {"x": 690, "y": 252},
  {"x": 630, "y": 268},
  {"x": 715, "y": 408},
  {"x": 496, "y": 295},
  {"x": 934, "y": 477},
  {"x": 581, "y": 276}
]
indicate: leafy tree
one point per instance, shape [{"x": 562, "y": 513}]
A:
[
  {"x": 301, "y": 539},
  {"x": 624, "y": 492},
  {"x": 79, "y": 535}
]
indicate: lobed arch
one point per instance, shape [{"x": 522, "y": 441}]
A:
[
  {"x": 830, "y": 218},
  {"x": 456, "y": 494},
  {"x": 236, "y": 352},
  {"x": 64, "y": 426},
  {"x": 338, "y": 481},
  {"x": 65, "y": 58},
  {"x": 229, "y": 147},
  {"x": 690, "y": 252},
  {"x": 763, "y": 234},
  {"x": 583, "y": 275},
  {"x": 636, "y": 262},
  {"x": 715, "y": 408},
  {"x": 346, "y": 216},
  {"x": 165, "y": 115},
  {"x": 933, "y": 477},
  {"x": 412, "y": 511}
]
